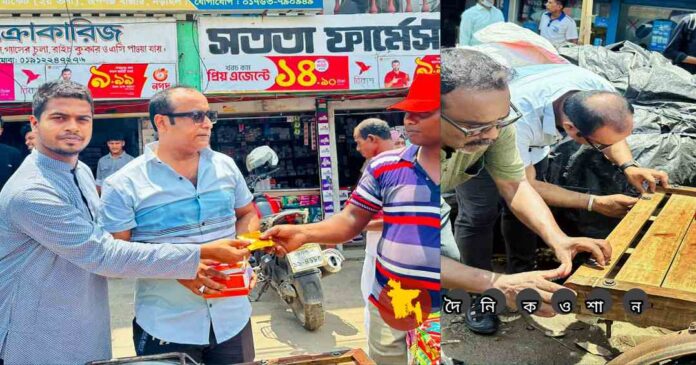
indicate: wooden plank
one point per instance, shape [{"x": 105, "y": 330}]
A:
[
  {"x": 343, "y": 357},
  {"x": 654, "y": 254},
  {"x": 682, "y": 190},
  {"x": 682, "y": 274},
  {"x": 624, "y": 233},
  {"x": 586, "y": 23},
  {"x": 669, "y": 308}
]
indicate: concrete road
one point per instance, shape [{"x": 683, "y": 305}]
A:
[{"x": 276, "y": 331}]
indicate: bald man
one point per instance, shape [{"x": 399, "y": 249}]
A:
[{"x": 372, "y": 136}]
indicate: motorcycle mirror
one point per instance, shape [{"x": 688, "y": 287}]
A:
[{"x": 262, "y": 161}]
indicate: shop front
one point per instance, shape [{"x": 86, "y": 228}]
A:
[
  {"x": 122, "y": 61},
  {"x": 648, "y": 23},
  {"x": 327, "y": 74}
]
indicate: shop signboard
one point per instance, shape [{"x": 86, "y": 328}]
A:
[
  {"x": 324, "y": 53},
  {"x": 115, "y": 58},
  {"x": 161, "y": 6}
]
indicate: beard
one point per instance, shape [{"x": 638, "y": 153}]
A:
[{"x": 64, "y": 152}]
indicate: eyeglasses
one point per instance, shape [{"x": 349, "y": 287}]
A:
[
  {"x": 598, "y": 147},
  {"x": 197, "y": 116},
  {"x": 512, "y": 117}
]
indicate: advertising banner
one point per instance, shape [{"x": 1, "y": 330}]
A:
[
  {"x": 115, "y": 58},
  {"x": 161, "y": 6},
  {"x": 326, "y": 53},
  {"x": 329, "y": 205}
]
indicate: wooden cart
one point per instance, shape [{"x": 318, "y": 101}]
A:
[
  {"x": 346, "y": 357},
  {"x": 653, "y": 249}
]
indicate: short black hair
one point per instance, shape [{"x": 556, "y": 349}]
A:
[
  {"x": 471, "y": 70},
  {"x": 26, "y": 128},
  {"x": 65, "y": 69},
  {"x": 59, "y": 89},
  {"x": 374, "y": 126},
  {"x": 116, "y": 136},
  {"x": 587, "y": 119},
  {"x": 161, "y": 103},
  {"x": 396, "y": 61},
  {"x": 563, "y": 3}
]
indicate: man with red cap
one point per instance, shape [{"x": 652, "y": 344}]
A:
[{"x": 404, "y": 184}]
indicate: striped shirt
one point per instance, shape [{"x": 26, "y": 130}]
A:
[
  {"x": 159, "y": 205},
  {"x": 409, "y": 249}
]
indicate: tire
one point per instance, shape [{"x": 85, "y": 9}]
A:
[
  {"x": 311, "y": 316},
  {"x": 675, "y": 348}
]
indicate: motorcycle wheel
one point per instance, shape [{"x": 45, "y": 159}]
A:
[{"x": 310, "y": 315}]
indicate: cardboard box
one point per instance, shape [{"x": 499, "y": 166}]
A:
[{"x": 237, "y": 284}]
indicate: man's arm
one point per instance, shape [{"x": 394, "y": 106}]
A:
[
  {"x": 465, "y": 30},
  {"x": 375, "y": 225},
  {"x": 673, "y": 51},
  {"x": 616, "y": 205},
  {"x": 247, "y": 219},
  {"x": 203, "y": 277},
  {"x": 455, "y": 275},
  {"x": 335, "y": 230},
  {"x": 531, "y": 210},
  {"x": 60, "y": 227},
  {"x": 100, "y": 179},
  {"x": 619, "y": 153}
]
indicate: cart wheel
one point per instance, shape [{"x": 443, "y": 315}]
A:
[{"x": 675, "y": 348}]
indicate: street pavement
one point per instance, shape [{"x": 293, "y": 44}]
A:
[{"x": 277, "y": 333}]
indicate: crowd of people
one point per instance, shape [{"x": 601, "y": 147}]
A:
[{"x": 167, "y": 216}]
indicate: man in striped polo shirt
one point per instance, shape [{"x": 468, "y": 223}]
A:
[{"x": 405, "y": 185}]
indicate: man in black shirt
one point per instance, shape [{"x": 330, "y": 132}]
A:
[
  {"x": 10, "y": 159},
  {"x": 682, "y": 47}
]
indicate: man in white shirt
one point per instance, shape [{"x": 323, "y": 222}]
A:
[
  {"x": 552, "y": 98},
  {"x": 481, "y": 15},
  {"x": 556, "y": 26}
]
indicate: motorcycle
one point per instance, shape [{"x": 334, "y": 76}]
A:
[{"x": 297, "y": 276}]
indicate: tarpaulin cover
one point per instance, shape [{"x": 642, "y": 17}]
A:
[{"x": 664, "y": 135}]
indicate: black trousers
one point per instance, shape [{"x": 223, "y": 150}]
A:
[
  {"x": 479, "y": 206},
  {"x": 237, "y": 349}
]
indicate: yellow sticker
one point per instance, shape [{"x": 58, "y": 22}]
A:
[{"x": 255, "y": 242}]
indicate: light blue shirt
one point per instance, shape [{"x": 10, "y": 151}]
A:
[
  {"x": 558, "y": 30},
  {"x": 533, "y": 92},
  {"x": 159, "y": 205},
  {"x": 474, "y": 19},
  {"x": 54, "y": 306},
  {"x": 108, "y": 165}
]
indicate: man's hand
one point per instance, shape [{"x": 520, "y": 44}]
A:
[
  {"x": 567, "y": 247},
  {"x": 287, "y": 237},
  {"x": 637, "y": 176},
  {"x": 511, "y": 285},
  {"x": 616, "y": 205},
  {"x": 204, "y": 279},
  {"x": 225, "y": 250}
]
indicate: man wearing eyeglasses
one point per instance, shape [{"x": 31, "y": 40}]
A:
[
  {"x": 181, "y": 191},
  {"x": 479, "y": 142}
]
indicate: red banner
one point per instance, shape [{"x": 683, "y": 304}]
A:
[
  {"x": 117, "y": 80},
  {"x": 428, "y": 65},
  {"x": 311, "y": 73}
]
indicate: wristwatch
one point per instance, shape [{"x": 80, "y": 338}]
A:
[{"x": 628, "y": 164}]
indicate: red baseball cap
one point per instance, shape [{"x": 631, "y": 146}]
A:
[{"x": 423, "y": 96}]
